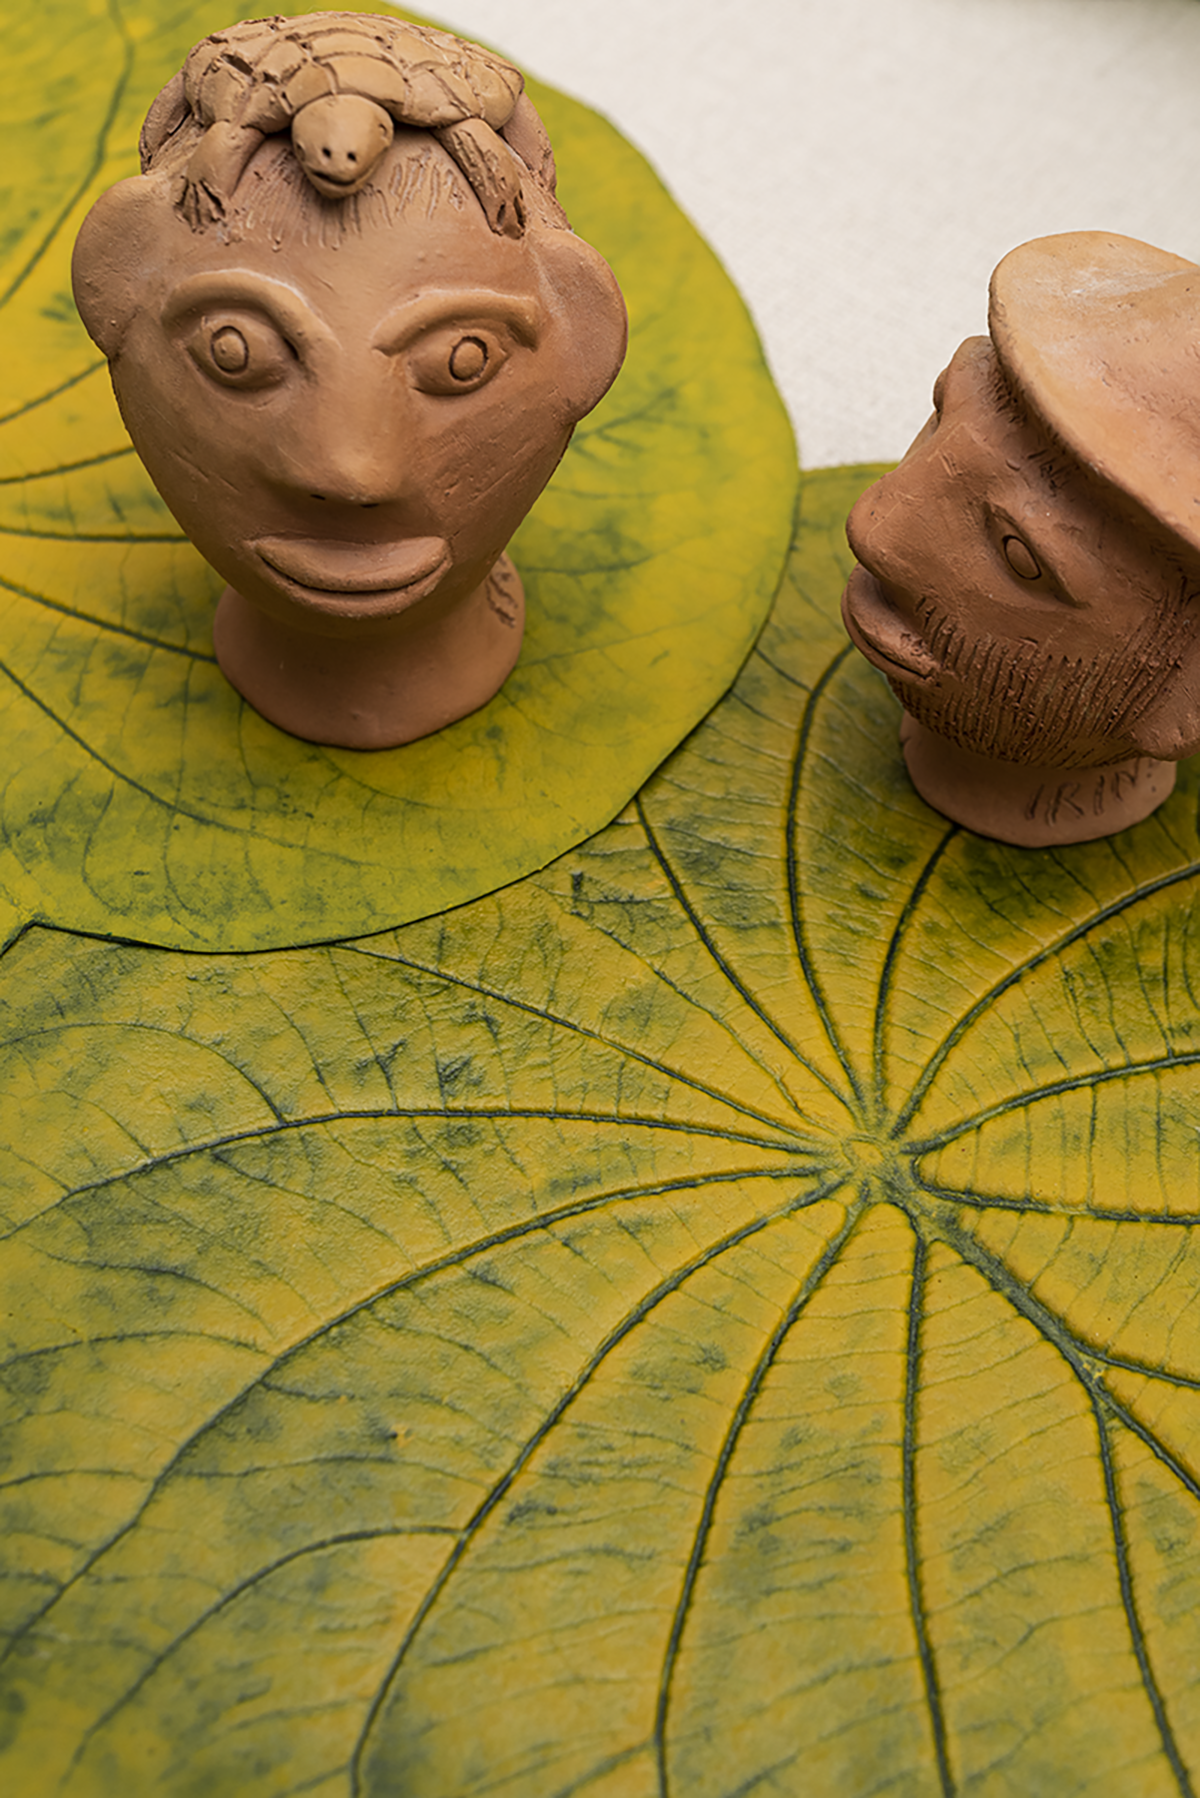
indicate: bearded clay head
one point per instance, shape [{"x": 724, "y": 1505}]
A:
[
  {"x": 1029, "y": 575},
  {"x": 350, "y": 332}
]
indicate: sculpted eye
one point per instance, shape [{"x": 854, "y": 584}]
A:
[
  {"x": 446, "y": 362},
  {"x": 1021, "y": 559},
  {"x": 468, "y": 359},
  {"x": 246, "y": 352},
  {"x": 229, "y": 350}
]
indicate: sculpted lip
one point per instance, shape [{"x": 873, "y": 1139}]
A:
[
  {"x": 322, "y": 565},
  {"x": 879, "y": 629}
]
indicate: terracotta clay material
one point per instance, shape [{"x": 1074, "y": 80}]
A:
[
  {"x": 350, "y": 332},
  {"x": 1029, "y": 575}
]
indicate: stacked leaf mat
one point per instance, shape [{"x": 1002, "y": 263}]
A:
[{"x": 706, "y": 1307}]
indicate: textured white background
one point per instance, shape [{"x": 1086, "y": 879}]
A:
[{"x": 861, "y": 165}]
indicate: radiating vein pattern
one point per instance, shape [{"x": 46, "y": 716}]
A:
[{"x": 717, "y": 1316}]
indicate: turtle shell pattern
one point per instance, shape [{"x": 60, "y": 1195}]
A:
[{"x": 259, "y": 77}]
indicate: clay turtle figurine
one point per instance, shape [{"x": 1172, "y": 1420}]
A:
[{"x": 341, "y": 82}]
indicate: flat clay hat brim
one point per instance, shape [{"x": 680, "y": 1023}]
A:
[{"x": 1101, "y": 336}]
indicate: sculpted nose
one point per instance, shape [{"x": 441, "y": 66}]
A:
[
  {"x": 866, "y": 525},
  {"x": 897, "y": 506},
  {"x": 354, "y": 449},
  {"x": 349, "y": 486}
]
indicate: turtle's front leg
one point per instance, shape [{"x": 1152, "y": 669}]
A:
[
  {"x": 492, "y": 169},
  {"x": 216, "y": 166}
]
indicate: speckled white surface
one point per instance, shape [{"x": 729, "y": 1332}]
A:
[{"x": 861, "y": 165}]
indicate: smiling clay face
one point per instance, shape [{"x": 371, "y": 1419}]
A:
[
  {"x": 347, "y": 432},
  {"x": 349, "y": 407}
]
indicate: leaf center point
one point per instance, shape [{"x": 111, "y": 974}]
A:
[{"x": 869, "y": 1156}]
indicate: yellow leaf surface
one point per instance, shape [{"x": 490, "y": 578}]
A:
[
  {"x": 719, "y": 1316},
  {"x": 141, "y": 797}
]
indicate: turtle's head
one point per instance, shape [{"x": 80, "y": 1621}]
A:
[{"x": 338, "y": 141}]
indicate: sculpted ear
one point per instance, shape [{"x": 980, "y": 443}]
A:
[
  {"x": 590, "y": 314},
  {"x": 1169, "y": 728},
  {"x": 113, "y": 253}
]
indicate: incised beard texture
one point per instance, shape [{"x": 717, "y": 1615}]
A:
[{"x": 1017, "y": 702}]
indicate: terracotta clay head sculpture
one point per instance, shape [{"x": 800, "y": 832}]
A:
[
  {"x": 1029, "y": 576},
  {"x": 350, "y": 332}
]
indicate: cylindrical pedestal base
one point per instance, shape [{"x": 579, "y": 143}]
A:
[
  {"x": 1033, "y": 808},
  {"x": 373, "y": 683}
]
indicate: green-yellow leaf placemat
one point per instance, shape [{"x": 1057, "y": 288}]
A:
[
  {"x": 140, "y": 796},
  {"x": 718, "y": 1317}
]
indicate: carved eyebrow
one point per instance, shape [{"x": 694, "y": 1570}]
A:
[
  {"x": 244, "y": 287},
  {"x": 459, "y": 306}
]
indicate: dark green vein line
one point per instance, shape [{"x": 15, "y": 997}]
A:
[
  {"x": 563, "y": 1023},
  {"x": 342, "y": 1540},
  {"x": 41, "y": 1474},
  {"x": 93, "y": 1030},
  {"x": 1078, "y": 1356},
  {"x": 94, "y": 166},
  {"x": 20, "y": 931},
  {"x": 599, "y": 1770},
  {"x": 893, "y": 950},
  {"x": 163, "y": 1270},
  {"x": 735, "y": 981},
  {"x": 912, "y": 1377},
  {"x": 312, "y": 1784},
  {"x": 755, "y": 1781},
  {"x": 168, "y": 805},
  {"x": 76, "y": 1344},
  {"x": 605, "y": 425},
  {"x": 504, "y": 1484},
  {"x": 128, "y": 539},
  {"x": 759, "y": 713},
  {"x": 737, "y": 1424},
  {"x": 440, "y": 1114},
  {"x": 389, "y": 1289},
  {"x": 1052, "y": 1090},
  {"x": 45, "y": 474},
  {"x": 1046, "y": 1322},
  {"x": 760, "y": 655},
  {"x": 1180, "y": 1381},
  {"x": 340, "y": 971},
  {"x": 961, "y": 1195},
  {"x": 104, "y": 624},
  {"x": 1133, "y": 1622},
  {"x": 52, "y": 393},
  {"x": 1157, "y": 1447},
  {"x": 1014, "y": 975},
  {"x": 793, "y": 873},
  {"x": 574, "y": 570}
]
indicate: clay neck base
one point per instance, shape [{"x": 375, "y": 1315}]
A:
[
  {"x": 380, "y": 688},
  {"x": 1033, "y": 808}
]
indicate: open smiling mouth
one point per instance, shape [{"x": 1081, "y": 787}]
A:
[
  {"x": 334, "y": 576},
  {"x": 879, "y": 629}
]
